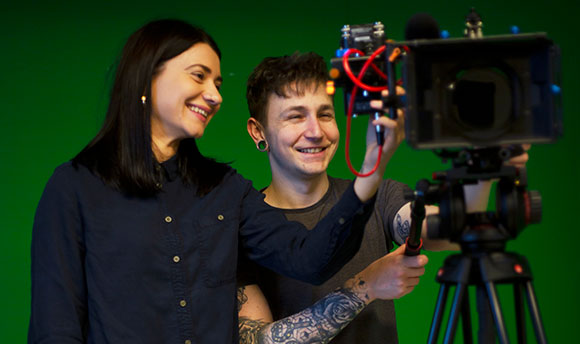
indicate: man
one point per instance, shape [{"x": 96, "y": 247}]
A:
[{"x": 292, "y": 119}]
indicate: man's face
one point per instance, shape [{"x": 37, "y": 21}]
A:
[{"x": 301, "y": 132}]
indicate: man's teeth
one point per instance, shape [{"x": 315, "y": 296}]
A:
[
  {"x": 311, "y": 150},
  {"x": 198, "y": 110}
]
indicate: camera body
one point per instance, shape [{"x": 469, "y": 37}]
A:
[{"x": 488, "y": 91}]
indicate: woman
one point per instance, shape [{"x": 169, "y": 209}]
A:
[{"x": 137, "y": 238}]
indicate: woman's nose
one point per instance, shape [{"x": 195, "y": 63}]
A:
[{"x": 212, "y": 96}]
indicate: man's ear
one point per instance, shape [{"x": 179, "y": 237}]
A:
[{"x": 255, "y": 130}]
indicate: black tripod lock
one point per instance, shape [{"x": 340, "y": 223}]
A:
[{"x": 483, "y": 262}]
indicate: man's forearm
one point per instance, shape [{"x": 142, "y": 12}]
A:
[{"x": 317, "y": 324}]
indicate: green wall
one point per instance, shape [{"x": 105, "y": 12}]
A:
[{"x": 56, "y": 61}]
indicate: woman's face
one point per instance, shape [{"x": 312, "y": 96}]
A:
[{"x": 185, "y": 95}]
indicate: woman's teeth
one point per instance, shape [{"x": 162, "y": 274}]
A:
[{"x": 198, "y": 110}]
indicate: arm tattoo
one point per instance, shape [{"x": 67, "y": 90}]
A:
[
  {"x": 242, "y": 297},
  {"x": 403, "y": 227},
  {"x": 317, "y": 324},
  {"x": 250, "y": 330}
]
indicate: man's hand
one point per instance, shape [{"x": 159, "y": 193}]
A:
[
  {"x": 520, "y": 160},
  {"x": 390, "y": 277}
]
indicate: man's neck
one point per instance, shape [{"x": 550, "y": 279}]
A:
[{"x": 298, "y": 193}]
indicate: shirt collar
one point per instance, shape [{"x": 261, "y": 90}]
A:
[{"x": 170, "y": 168}]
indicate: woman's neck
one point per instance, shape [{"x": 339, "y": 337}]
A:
[{"x": 164, "y": 151}]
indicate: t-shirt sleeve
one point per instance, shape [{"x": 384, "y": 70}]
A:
[{"x": 390, "y": 199}]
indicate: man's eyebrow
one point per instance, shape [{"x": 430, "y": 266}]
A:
[
  {"x": 324, "y": 107},
  {"x": 299, "y": 108}
]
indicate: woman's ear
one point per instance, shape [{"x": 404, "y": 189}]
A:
[{"x": 255, "y": 130}]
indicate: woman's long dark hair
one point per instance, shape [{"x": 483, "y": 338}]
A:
[{"x": 121, "y": 153}]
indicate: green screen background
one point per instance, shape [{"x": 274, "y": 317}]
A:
[{"x": 57, "y": 58}]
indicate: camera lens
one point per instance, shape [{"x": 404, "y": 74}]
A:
[{"x": 481, "y": 100}]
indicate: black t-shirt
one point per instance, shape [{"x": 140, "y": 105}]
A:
[{"x": 286, "y": 296}]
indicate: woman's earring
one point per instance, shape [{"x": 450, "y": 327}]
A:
[
  {"x": 262, "y": 145},
  {"x": 143, "y": 100}
]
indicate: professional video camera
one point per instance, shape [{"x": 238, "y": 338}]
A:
[
  {"x": 473, "y": 100},
  {"x": 460, "y": 92}
]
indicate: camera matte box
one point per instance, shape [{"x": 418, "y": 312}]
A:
[{"x": 486, "y": 91}]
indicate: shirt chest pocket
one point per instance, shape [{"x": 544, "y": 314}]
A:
[{"x": 218, "y": 239}]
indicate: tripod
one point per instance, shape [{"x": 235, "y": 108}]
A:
[{"x": 484, "y": 263}]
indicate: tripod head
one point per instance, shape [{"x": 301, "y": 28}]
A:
[{"x": 516, "y": 207}]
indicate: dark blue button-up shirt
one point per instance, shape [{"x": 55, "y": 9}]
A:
[{"x": 107, "y": 268}]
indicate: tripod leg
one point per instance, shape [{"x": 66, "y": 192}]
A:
[
  {"x": 438, "y": 314},
  {"x": 454, "y": 314},
  {"x": 496, "y": 311},
  {"x": 466, "y": 319},
  {"x": 486, "y": 331},
  {"x": 519, "y": 308},
  {"x": 535, "y": 313}
]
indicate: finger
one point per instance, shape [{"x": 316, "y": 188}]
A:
[
  {"x": 407, "y": 290},
  {"x": 412, "y": 281},
  {"x": 520, "y": 158},
  {"x": 399, "y": 251},
  {"x": 377, "y": 104},
  {"x": 415, "y": 272},
  {"x": 519, "y": 161},
  {"x": 400, "y": 91},
  {"x": 415, "y": 261},
  {"x": 385, "y": 122}
]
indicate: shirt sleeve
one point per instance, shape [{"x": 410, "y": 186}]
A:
[
  {"x": 247, "y": 272},
  {"x": 290, "y": 249},
  {"x": 390, "y": 199},
  {"x": 58, "y": 307}
]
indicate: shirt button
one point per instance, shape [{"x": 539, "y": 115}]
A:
[
  {"x": 182, "y": 303},
  {"x": 176, "y": 259},
  {"x": 188, "y": 341},
  {"x": 341, "y": 221},
  {"x": 168, "y": 219},
  {"x": 220, "y": 217}
]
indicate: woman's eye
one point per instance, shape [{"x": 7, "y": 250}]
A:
[{"x": 198, "y": 75}]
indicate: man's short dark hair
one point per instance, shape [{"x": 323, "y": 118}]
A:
[{"x": 284, "y": 76}]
